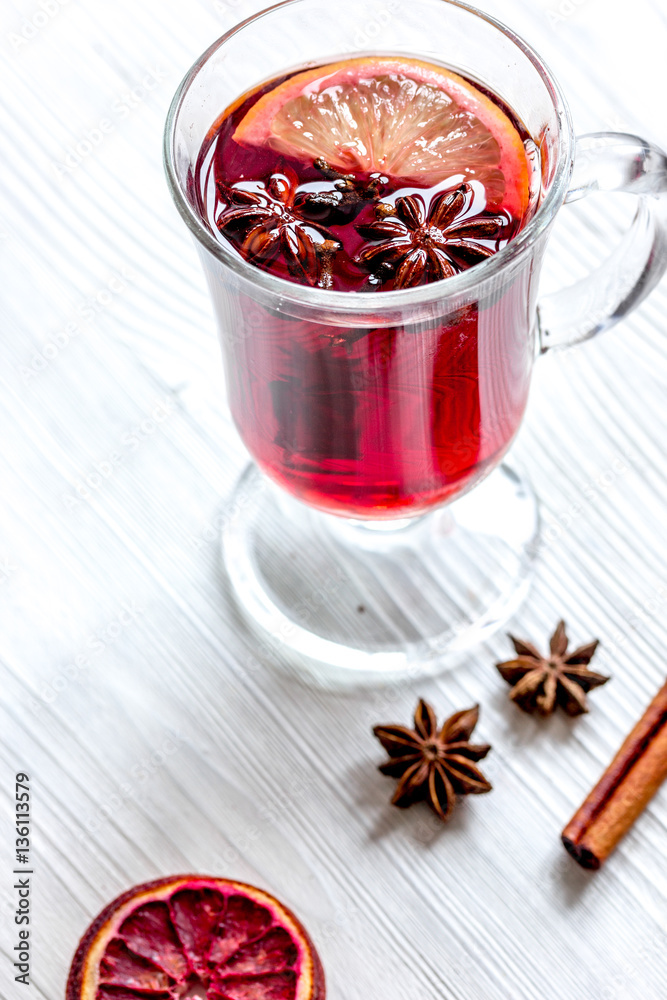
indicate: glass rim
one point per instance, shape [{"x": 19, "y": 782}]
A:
[{"x": 353, "y": 302}]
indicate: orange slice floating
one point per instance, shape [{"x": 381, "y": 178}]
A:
[
  {"x": 191, "y": 936},
  {"x": 402, "y": 117}
]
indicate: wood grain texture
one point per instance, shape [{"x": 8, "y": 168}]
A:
[{"x": 171, "y": 743}]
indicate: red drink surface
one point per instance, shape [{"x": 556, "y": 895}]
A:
[{"x": 364, "y": 422}]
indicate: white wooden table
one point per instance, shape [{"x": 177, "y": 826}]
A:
[{"x": 155, "y": 738}]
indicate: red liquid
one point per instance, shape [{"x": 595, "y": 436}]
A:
[
  {"x": 374, "y": 423},
  {"x": 387, "y": 424}
]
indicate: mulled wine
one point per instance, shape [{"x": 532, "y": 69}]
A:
[{"x": 365, "y": 176}]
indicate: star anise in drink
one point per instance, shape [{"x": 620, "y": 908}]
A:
[
  {"x": 262, "y": 220},
  {"x": 434, "y": 764},
  {"x": 342, "y": 200},
  {"x": 421, "y": 243},
  {"x": 561, "y": 678}
]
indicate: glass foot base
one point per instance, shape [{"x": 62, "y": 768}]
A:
[{"x": 363, "y": 601}]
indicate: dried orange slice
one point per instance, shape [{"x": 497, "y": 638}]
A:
[
  {"x": 191, "y": 936},
  {"x": 403, "y": 117}
]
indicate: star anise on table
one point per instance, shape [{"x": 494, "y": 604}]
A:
[
  {"x": 262, "y": 220},
  {"x": 434, "y": 765},
  {"x": 561, "y": 678},
  {"x": 419, "y": 244}
]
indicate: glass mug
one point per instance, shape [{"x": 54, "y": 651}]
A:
[{"x": 358, "y": 548}]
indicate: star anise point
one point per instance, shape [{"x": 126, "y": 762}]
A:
[
  {"x": 263, "y": 221},
  {"x": 434, "y": 764},
  {"x": 540, "y": 683},
  {"x": 418, "y": 242}
]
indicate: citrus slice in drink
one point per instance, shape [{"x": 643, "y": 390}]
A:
[
  {"x": 191, "y": 936},
  {"x": 401, "y": 117}
]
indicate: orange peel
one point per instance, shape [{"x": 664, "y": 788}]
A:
[{"x": 402, "y": 117}]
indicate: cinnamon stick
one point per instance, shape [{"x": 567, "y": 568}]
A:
[{"x": 628, "y": 784}]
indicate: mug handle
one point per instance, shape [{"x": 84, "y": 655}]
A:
[{"x": 612, "y": 161}]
